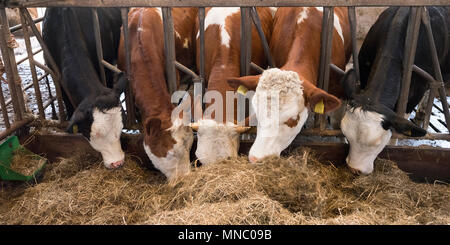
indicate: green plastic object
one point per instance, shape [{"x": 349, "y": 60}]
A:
[{"x": 6, "y": 155}]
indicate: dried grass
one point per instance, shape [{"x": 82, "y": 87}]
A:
[{"x": 293, "y": 190}]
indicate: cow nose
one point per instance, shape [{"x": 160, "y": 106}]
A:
[
  {"x": 252, "y": 159},
  {"x": 117, "y": 164},
  {"x": 354, "y": 171}
]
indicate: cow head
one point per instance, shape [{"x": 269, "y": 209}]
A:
[
  {"x": 99, "y": 119},
  {"x": 367, "y": 126},
  {"x": 281, "y": 104},
  {"x": 216, "y": 141},
  {"x": 168, "y": 144}
]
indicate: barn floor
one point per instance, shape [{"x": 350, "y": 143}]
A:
[{"x": 290, "y": 190}]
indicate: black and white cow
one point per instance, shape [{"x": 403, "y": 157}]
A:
[
  {"x": 69, "y": 35},
  {"x": 370, "y": 115}
]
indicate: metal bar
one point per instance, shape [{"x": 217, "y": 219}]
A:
[
  {"x": 353, "y": 25},
  {"x": 19, "y": 26},
  {"x": 54, "y": 68},
  {"x": 110, "y": 67},
  {"x": 395, "y": 135},
  {"x": 412, "y": 34},
  {"x": 256, "y": 67},
  {"x": 49, "y": 102},
  {"x": 219, "y": 3},
  {"x": 186, "y": 70},
  {"x": 129, "y": 99},
  {"x": 26, "y": 58},
  {"x": 336, "y": 69},
  {"x": 15, "y": 126},
  {"x": 424, "y": 74},
  {"x": 436, "y": 66},
  {"x": 47, "y": 82},
  {"x": 325, "y": 58},
  {"x": 265, "y": 43},
  {"x": 37, "y": 91},
  {"x": 169, "y": 50},
  {"x": 14, "y": 81},
  {"x": 98, "y": 45},
  {"x": 4, "y": 109},
  {"x": 246, "y": 41}
]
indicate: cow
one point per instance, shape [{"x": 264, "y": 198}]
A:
[
  {"x": 167, "y": 141},
  {"x": 295, "y": 46},
  {"x": 218, "y": 138},
  {"x": 93, "y": 109},
  {"x": 370, "y": 115},
  {"x": 13, "y": 15}
]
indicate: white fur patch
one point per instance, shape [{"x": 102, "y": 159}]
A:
[
  {"x": 216, "y": 141},
  {"x": 278, "y": 80},
  {"x": 159, "y": 11},
  {"x": 186, "y": 43},
  {"x": 274, "y": 135},
  {"x": 366, "y": 136},
  {"x": 177, "y": 162},
  {"x": 218, "y": 16},
  {"x": 302, "y": 15},
  {"x": 105, "y": 134},
  {"x": 337, "y": 24},
  {"x": 273, "y": 10}
]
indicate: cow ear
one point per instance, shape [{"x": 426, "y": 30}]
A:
[
  {"x": 77, "y": 117},
  {"x": 121, "y": 84},
  {"x": 250, "y": 82},
  {"x": 322, "y": 102},
  {"x": 349, "y": 83},
  {"x": 406, "y": 127}
]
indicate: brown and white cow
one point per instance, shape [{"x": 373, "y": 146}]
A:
[
  {"x": 295, "y": 46},
  {"x": 218, "y": 133},
  {"x": 167, "y": 142}
]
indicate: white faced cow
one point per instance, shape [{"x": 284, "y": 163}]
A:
[
  {"x": 295, "y": 46},
  {"x": 370, "y": 115}
]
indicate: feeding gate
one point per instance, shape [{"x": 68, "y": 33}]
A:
[{"x": 16, "y": 115}]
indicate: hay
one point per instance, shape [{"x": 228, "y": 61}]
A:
[
  {"x": 25, "y": 163},
  {"x": 293, "y": 190}
]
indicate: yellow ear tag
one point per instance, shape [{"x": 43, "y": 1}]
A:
[
  {"x": 319, "y": 108},
  {"x": 242, "y": 90},
  {"x": 75, "y": 129},
  {"x": 409, "y": 133}
]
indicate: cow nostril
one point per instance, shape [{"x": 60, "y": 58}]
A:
[
  {"x": 252, "y": 159},
  {"x": 117, "y": 164}
]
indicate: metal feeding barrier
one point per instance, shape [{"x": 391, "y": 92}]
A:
[{"x": 249, "y": 17}]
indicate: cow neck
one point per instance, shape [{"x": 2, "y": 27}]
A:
[
  {"x": 384, "y": 81},
  {"x": 77, "y": 65},
  {"x": 225, "y": 67},
  {"x": 302, "y": 60},
  {"x": 148, "y": 82}
]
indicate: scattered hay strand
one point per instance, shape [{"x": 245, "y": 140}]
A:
[
  {"x": 25, "y": 163},
  {"x": 293, "y": 190}
]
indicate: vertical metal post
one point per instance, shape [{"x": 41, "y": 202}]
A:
[
  {"x": 53, "y": 66},
  {"x": 4, "y": 109},
  {"x": 47, "y": 82},
  {"x": 246, "y": 41},
  {"x": 9, "y": 60},
  {"x": 325, "y": 58},
  {"x": 262, "y": 36},
  {"x": 412, "y": 34},
  {"x": 439, "y": 87},
  {"x": 26, "y": 35},
  {"x": 129, "y": 99},
  {"x": 200, "y": 90},
  {"x": 353, "y": 24},
  {"x": 98, "y": 45},
  {"x": 169, "y": 49}
]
